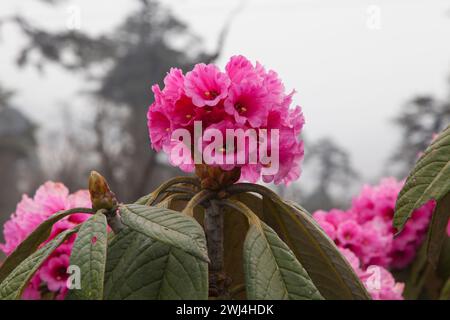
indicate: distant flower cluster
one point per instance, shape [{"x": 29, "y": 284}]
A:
[
  {"x": 50, "y": 198},
  {"x": 245, "y": 97},
  {"x": 366, "y": 235}
]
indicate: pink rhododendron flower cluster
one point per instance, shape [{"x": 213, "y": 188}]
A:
[
  {"x": 378, "y": 281},
  {"x": 244, "y": 96},
  {"x": 366, "y": 231},
  {"x": 50, "y": 198}
]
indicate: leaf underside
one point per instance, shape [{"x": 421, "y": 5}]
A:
[
  {"x": 271, "y": 269},
  {"x": 141, "y": 268}
]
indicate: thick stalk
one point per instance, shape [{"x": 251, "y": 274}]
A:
[
  {"x": 213, "y": 225},
  {"x": 113, "y": 220}
]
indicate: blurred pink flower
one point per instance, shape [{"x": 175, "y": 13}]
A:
[
  {"x": 366, "y": 230},
  {"x": 50, "y": 198},
  {"x": 53, "y": 272},
  {"x": 381, "y": 284},
  {"x": 349, "y": 233}
]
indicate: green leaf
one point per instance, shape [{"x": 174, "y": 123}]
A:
[
  {"x": 443, "y": 268},
  {"x": 139, "y": 267},
  {"x": 235, "y": 230},
  {"x": 89, "y": 254},
  {"x": 271, "y": 269},
  {"x": 14, "y": 284},
  {"x": 150, "y": 198},
  {"x": 32, "y": 242},
  {"x": 168, "y": 226},
  {"x": 445, "y": 293},
  {"x": 328, "y": 269},
  {"x": 428, "y": 181}
]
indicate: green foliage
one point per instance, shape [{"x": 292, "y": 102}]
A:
[
  {"x": 445, "y": 294},
  {"x": 328, "y": 269},
  {"x": 139, "y": 267},
  {"x": 30, "y": 244},
  {"x": 168, "y": 226},
  {"x": 89, "y": 254},
  {"x": 271, "y": 269},
  {"x": 429, "y": 180},
  {"x": 14, "y": 284}
]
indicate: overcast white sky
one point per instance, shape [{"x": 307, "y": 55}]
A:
[{"x": 352, "y": 71}]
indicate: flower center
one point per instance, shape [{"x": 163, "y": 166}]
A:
[
  {"x": 211, "y": 94},
  {"x": 267, "y": 165},
  {"x": 60, "y": 273},
  {"x": 240, "y": 107},
  {"x": 188, "y": 116}
]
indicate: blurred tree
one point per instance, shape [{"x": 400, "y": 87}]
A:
[
  {"x": 19, "y": 165},
  {"x": 333, "y": 170},
  {"x": 419, "y": 119},
  {"x": 122, "y": 65}
]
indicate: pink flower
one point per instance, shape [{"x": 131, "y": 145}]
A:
[
  {"x": 366, "y": 229},
  {"x": 50, "y": 198},
  {"x": 401, "y": 258},
  {"x": 206, "y": 85},
  {"x": 174, "y": 84},
  {"x": 329, "y": 229},
  {"x": 250, "y": 173},
  {"x": 53, "y": 272},
  {"x": 289, "y": 165},
  {"x": 375, "y": 206},
  {"x": 349, "y": 233},
  {"x": 352, "y": 259},
  {"x": 183, "y": 113},
  {"x": 179, "y": 155},
  {"x": 158, "y": 120},
  {"x": 241, "y": 70},
  {"x": 248, "y": 102},
  {"x": 381, "y": 284},
  {"x": 289, "y": 148},
  {"x": 243, "y": 97},
  {"x": 32, "y": 292},
  {"x": 378, "y": 281},
  {"x": 273, "y": 84}
]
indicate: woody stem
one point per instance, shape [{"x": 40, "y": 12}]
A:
[{"x": 213, "y": 225}]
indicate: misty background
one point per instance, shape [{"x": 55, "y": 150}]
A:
[{"x": 372, "y": 78}]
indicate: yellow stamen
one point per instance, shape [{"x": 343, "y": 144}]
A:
[{"x": 268, "y": 165}]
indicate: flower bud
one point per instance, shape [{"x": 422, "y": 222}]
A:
[
  {"x": 101, "y": 196},
  {"x": 214, "y": 178}
]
